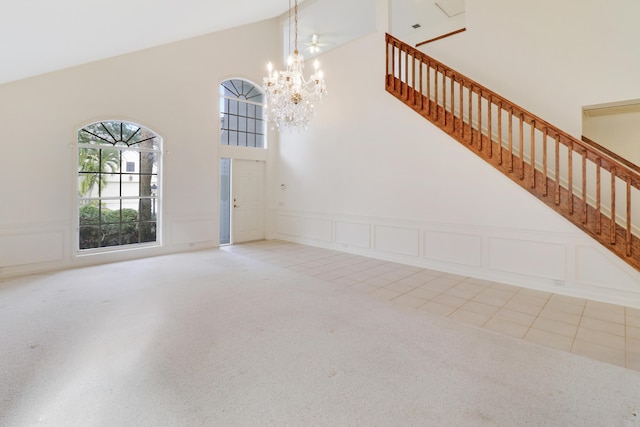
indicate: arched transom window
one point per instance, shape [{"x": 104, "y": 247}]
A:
[
  {"x": 242, "y": 114},
  {"x": 118, "y": 185}
]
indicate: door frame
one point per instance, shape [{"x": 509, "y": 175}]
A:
[{"x": 232, "y": 188}]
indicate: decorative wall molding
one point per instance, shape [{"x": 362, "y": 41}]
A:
[
  {"x": 43, "y": 247},
  {"x": 32, "y": 246},
  {"x": 452, "y": 247},
  {"x": 534, "y": 258},
  {"x": 353, "y": 234},
  {"x": 397, "y": 240},
  {"x": 569, "y": 264}
]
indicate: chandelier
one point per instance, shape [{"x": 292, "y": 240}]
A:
[{"x": 290, "y": 97}]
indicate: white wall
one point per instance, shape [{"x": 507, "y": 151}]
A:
[
  {"x": 172, "y": 90},
  {"x": 551, "y": 57},
  {"x": 372, "y": 177}
]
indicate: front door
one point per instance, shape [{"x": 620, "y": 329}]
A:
[{"x": 248, "y": 200}]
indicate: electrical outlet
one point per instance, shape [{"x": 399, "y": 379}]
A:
[{"x": 558, "y": 283}]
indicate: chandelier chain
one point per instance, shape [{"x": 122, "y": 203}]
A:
[
  {"x": 296, "y": 27},
  {"x": 289, "y": 41}
]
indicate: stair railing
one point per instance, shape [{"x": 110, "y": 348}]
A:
[{"x": 594, "y": 189}]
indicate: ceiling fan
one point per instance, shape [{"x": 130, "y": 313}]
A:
[{"x": 314, "y": 46}]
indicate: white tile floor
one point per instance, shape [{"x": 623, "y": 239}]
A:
[{"x": 606, "y": 332}]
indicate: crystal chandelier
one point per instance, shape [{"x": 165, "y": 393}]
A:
[{"x": 290, "y": 97}]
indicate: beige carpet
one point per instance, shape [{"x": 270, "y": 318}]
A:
[{"x": 217, "y": 338}]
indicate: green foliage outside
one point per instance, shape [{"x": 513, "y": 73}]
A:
[{"x": 102, "y": 227}]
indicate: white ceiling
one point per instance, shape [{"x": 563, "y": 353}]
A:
[
  {"x": 38, "y": 36},
  {"x": 435, "y": 17}
]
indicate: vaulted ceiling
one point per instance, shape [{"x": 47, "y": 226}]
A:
[{"x": 39, "y": 36}]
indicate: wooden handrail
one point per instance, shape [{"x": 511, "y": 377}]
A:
[
  {"x": 611, "y": 154},
  {"x": 444, "y": 36},
  {"x": 568, "y": 174}
]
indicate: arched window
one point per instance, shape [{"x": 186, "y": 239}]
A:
[
  {"x": 118, "y": 185},
  {"x": 242, "y": 114}
]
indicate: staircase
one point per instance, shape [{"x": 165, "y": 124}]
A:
[{"x": 593, "y": 188}]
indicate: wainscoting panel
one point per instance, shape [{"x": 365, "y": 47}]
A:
[
  {"x": 317, "y": 229},
  {"x": 465, "y": 249},
  {"x": 353, "y": 234},
  {"x": 31, "y": 248},
  {"x": 289, "y": 225},
  {"x": 569, "y": 264},
  {"x": 532, "y": 258},
  {"x": 397, "y": 240}
]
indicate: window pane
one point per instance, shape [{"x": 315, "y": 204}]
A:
[
  {"x": 233, "y": 107},
  {"x": 90, "y": 237},
  {"x": 88, "y": 159},
  {"x": 131, "y": 186},
  {"x": 111, "y": 234},
  {"x": 233, "y": 122},
  {"x": 233, "y": 138},
  {"x": 130, "y": 159},
  {"x": 145, "y": 210},
  {"x": 147, "y": 231},
  {"x": 95, "y": 133},
  {"x": 131, "y": 204},
  {"x": 89, "y": 213},
  {"x": 226, "y": 91},
  {"x": 110, "y": 160},
  {"x": 87, "y": 184},
  {"x": 251, "y": 140}
]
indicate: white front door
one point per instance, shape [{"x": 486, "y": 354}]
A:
[{"x": 248, "y": 200}]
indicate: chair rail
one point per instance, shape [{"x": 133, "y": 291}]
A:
[{"x": 587, "y": 184}]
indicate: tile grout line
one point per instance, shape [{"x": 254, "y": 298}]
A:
[
  {"x": 342, "y": 264},
  {"x": 575, "y": 336}
]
